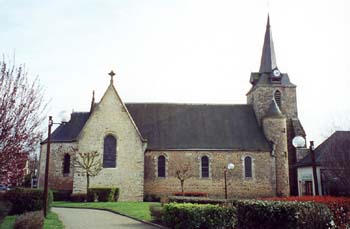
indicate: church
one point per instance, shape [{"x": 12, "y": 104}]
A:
[{"x": 142, "y": 146}]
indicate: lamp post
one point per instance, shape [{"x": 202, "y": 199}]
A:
[
  {"x": 230, "y": 166},
  {"x": 312, "y": 152},
  {"x": 46, "y": 182}
]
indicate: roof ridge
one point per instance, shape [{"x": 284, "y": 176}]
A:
[{"x": 171, "y": 103}]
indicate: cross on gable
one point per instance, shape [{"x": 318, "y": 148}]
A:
[{"x": 111, "y": 74}]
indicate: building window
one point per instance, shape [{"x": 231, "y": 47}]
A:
[
  {"x": 66, "y": 164},
  {"x": 161, "y": 166},
  {"x": 205, "y": 166},
  {"x": 110, "y": 152},
  {"x": 278, "y": 98},
  {"x": 248, "y": 172}
]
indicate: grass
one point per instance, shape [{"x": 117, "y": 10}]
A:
[
  {"x": 138, "y": 210},
  {"x": 8, "y": 222},
  {"x": 51, "y": 222}
]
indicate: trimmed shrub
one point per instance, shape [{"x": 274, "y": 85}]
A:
[
  {"x": 151, "y": 198},
  {"x": 61, "y": 195},
  {"x": 198, "y": 216},
  {"x": 103, "y": 194},
  {"x": 339, "y": 206},
  {"x": 195, "y": 200},
  {"x": 30, "y": 220},
  {"x": 78, "y": 197},
  {"x": 27, "y": 200},
  {"x": 277, "y": 214},
  {"x": 156, "y": 212},
  {"x": 192, "y": 194}
]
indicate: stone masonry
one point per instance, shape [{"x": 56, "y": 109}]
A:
[{"x": 262, "y": 184}]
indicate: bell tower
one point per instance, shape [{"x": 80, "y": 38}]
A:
[{"x": 268, "y": 84}]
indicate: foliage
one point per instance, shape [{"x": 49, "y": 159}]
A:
[
  {"x": 103, "y": 194},
  {"x": 151, "y": 198},
  {"x": 26, "y": 200},
  {"x": 30, "y": 220},
  {"x": 139, "y": 210},
  {"x": 61, "y": 195},
  {"x": 156, "y": 212},
  {"x": 90, "y": 163},
  {"x": 278, "y": 214},
  {"x": 21, "y": 109},
  {"x": 5, "y": 207},
  {"x": 198, "y": 216},
  {"x": 339, "y": 206},
  {"x": 78, "y": 197},
  {"x": 198, "y": 200},
  {"x": 193, "y": 194}
]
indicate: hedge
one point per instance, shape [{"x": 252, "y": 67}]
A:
[
  {"x": 339, "y": 206},
  {"x": 278, "y": 214},
  {"x": 61, "y": 195},
  {"x": 29, "y": 220},
  {"x": 192, "y": 194},
  {"x": 103, "y": 194},
  {"x": 26, "y": 200},
  {"x": 196, "y": 200},
  {"x": 198, "y": 216}
]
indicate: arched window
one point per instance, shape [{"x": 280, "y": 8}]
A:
[
  {"x": 205, "y": 166},
  {"x": 110, "y": 152},
  {"x": 66, "y": 164},
  {"x": 248, "y": 173},
  {"x": 278, "y": 98},
  {"x": 161, "y": 166}
]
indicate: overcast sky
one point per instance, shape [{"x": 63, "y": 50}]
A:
[{"x": 182, "y": 51}]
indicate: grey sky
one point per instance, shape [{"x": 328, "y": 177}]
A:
[{"x": 182, "y": 51}]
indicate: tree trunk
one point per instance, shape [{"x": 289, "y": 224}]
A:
[{"x": 182, "y": 187}]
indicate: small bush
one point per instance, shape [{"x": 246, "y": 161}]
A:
[
  {"x": 156, "y": 212},
  {"x": 30, "y": 220},
  {"x": 26, "y": 200},
  {"x": 277, "y": 214},
  {"x": 198, "y": 216},
  {"x": 61, "y": 195},
  {"x": 103, "y": 194},
  {"x": 151, "y": 198},
  {"x": 78, "y": 197},
  {"x": 192, "y": 194}
]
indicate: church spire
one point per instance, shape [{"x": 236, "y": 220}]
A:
[{"x": 268, "y": 58}]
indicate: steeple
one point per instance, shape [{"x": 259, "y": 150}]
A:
[
  {"x": 268, "y": 58},
  {"x": 92, "y": 101}
]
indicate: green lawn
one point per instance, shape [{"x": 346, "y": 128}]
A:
[
  {"x": 139, "y": 210},
  {"x": 51, "y": 222}
]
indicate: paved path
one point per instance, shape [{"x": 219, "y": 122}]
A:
[{"x": 96, "y": 219}]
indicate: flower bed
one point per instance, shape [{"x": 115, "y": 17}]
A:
[{"x": 339, "y": 206}]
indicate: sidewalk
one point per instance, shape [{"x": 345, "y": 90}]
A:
[{"x": 74, "y": 218}]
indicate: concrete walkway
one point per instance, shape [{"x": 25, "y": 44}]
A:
[{"x": 74, "y": 218}]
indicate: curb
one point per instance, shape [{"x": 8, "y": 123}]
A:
[{"x": 118, "y": 213}]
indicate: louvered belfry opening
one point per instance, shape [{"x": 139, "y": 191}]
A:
[{"x": 278, "y": 96}]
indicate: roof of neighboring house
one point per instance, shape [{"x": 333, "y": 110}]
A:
[
  {"x": 336, "y": 143},
  {"x": 185, "y": 126}
]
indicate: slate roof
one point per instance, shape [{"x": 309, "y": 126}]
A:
[
  {"x": 337, "y": 142},
  {"x": 186, "y": 126}
]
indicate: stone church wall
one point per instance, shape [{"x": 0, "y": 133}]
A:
[
  {"x": 263, "y": 183},
  {"x": 111, "y": 118},
  {"x": 57, "y": 180}
]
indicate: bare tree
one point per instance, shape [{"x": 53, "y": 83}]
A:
[
  {"x": 90, "y": 163},
  {"x": 182, "y": 172},
  {"x": 21, "y": 109}
]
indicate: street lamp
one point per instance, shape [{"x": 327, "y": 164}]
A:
[
  {"x": 46, "y": 182},
  {"x": 312, "y": 152},
  {"x": 230, "y": 166}
]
